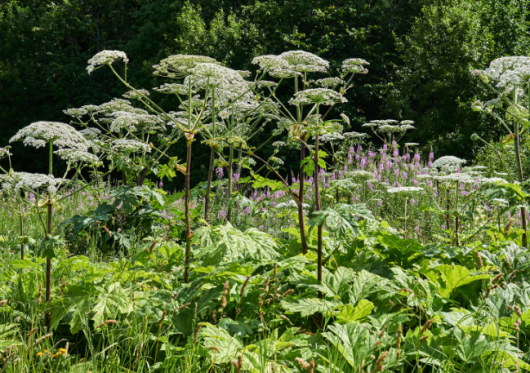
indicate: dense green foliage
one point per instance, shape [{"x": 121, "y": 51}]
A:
[{"x": 311, "y": 235}]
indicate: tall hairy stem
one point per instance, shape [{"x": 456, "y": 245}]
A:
[
  {"x": 521, "y": 179},
  {"x": 187, "y": 213},
  {"x": 209, "y": 185},
  {"x": 456, "y": 216},
  {"x": 230, "y": 182},
  {"x": 48, "y": 269},
  {"x": 318, "y": 208},
  {"x": 49, "y": 235},
  {"x": 210, "y": 166},
  {"x": 301, "y": 221},
  {"x": 21, "y": 237},
  {"x": 405, "y": 216}
]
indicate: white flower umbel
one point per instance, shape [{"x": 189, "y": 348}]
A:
[
  {"x": 270, "y": 62},
  {"x": 90, "y": 133},
  {"x": 212, "y": 74},
  {"x": 456, "y": 177},
  {"x": 135, "y": 122},
  {"x": 243, "y": 73},
  {"x": 76, "y": 112},
  {"x": 334, "y": 136},
  {"x": 404, "y": 191},
  {"x": 77, "y": 156},
  {"x": 345, "y": 118},
  {"x": 360, "y": 175},
  {"x": 117, "y": 104},
  {"x": 380, "y": 122},
  {"x": 355, "y": 66},
  {"x": 474, "y": 168},
  {"x": 406, "y": 127},
  {"x": 130, "y": 146},
  {"x": 448, "y": 160},
  {"x": 329, "y": 82},
  {"x": 500, "y": 202},
  {"x": 304, "y": 62},
  {"x": 62, "y": 135},
  {"x": 370, "y": 125},
  {"x": 174, "y": 88},
  {"x": 388, "y": 128},
  {"x": 515, "y": 78},
  {"x": 493, "y": 180},
  {"x": 4, "y": 152},
  {"x": 502, "y": 65},
  {"x": 267, "y": 84},
  {"x": 284, "y": 73},
  {"x": 319, "y": 96},
  {"x": 354, "y": 135},
  {"x": 105, "y": 58},
  {"x": 24, "y": 180},
  {"x": 136, "y": 94},
  {"x": 179, "y": 65}
]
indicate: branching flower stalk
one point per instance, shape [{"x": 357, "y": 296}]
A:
[
  {"x": 73, "y": 147},
  {"x": 296, "y": 65},
  {"x": 511, "y": 75},
  {"x": 318, "y": 208}
]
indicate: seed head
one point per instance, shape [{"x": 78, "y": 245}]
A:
[
  {"x": 283, "y": 317},
  {"x": 399, "y": 335},
  {"x": 44, "y": 337},
  {"x": 380, "y": 361},
  {"x": 107, "y": 322},
  {"x": 225, "y": 292},
  {"x": 497, "y": 278},
  {"x": 196, "y": 334},
  {"x": 244, "y": 286},
  {"x": 161, "y": 320},
  {"x": 39, "y": 298},
  {"x": 479, "y": 258},
  {"x": 426, "y": 326}
]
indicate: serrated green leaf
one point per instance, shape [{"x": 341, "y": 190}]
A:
[
  {"x": 350, "y": 313},
  {"x": 309, "y": 306}
]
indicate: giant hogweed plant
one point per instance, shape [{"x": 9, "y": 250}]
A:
[
  {"x": 71, "y": 146},
  {"x": 215, "y": 102},
  {"x": 229, "y": 112},
  {"x": 301, "y": 122},
  {"x": 509, "y": 79}
]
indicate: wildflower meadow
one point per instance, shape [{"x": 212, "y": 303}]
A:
[{"x": 373, "y": 254}]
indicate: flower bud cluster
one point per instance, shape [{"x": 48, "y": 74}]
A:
[{"x": 105, "y": 58}]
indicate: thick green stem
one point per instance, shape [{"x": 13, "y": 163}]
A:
[
  {"x": 49, "y": 235},
  {"x": 318, "y": 208},
  {"x": 230, "y": 182},
  {"x": 21, "y": 237},
  {"x": 516, "y": 140},
  {"x": 187, "y": 212},
  {"x": 209, "y": 185},
  {"x": 301, "y": 222},
  {"x": 405, "y": 217},
  {"x": 456, "y": 216}
]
